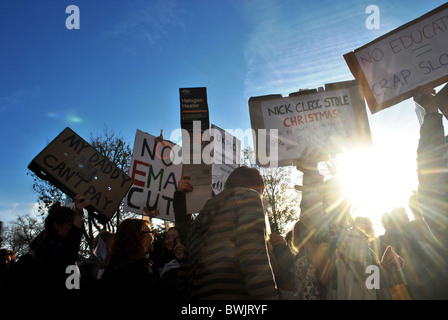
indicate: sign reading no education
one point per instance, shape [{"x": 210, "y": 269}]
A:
[
  {"x": 75, "y": 167},
  {"x": 334, "y": 120},
  {"x": 413, "y": 55}
]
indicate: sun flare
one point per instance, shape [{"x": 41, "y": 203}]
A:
[{"x": 376, "y": 183}]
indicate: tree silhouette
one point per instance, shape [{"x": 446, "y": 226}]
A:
[{"x": 282, "y": 199}]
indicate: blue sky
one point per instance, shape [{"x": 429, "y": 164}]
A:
[{"x": 126, "y": 63}]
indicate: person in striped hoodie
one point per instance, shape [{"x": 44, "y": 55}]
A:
[{"x": 226, "y": 255}]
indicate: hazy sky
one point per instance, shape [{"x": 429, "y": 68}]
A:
[{"x": 123, "y": 68}]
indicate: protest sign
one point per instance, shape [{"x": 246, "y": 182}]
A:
[
  {"x": 201, "y": 179},
  {"x": 194, "y": 152},
  {"x": 333, "y": 119},
  {"x": 438, "y": 101},
  {"x": 75, "y": 167},
  {"x": 155, "y": 177},
  {"x": 390, "y": 67},
  {"x": 226, "y": 157},
  {"x": 194, "y": 121},
  {"x": 194, "y": 107},
  {"x": 219, "y": 154}
]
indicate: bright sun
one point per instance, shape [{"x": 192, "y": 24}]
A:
[{"x": 376, "y": 183}]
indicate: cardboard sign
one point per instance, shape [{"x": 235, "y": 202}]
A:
[
  {"x": 194, "y": 121},
  {"x": 218, "y": 154},
  {"x": 226, "y": 157},
  {"x": 193, "y": 165},
  {"x": 194, "y": 107},
  {"x": 334, "y": 119},
  {"x": 415, "y": 54},
  {"x": 155, "y": 177},
  {"x": 201, "y": 179},
  {"x": 75, "y": 167}
]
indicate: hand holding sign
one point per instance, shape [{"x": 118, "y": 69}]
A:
[
  {"x": 308, "y": 160},
  {"x": 277, "y": 240},
  {"x": 424, "y": 96},
  {"x": 80, "y": 204},
  {"x": 185, "y": 184},
  {"x": 159, "y": 138},
  {"x": 307, "y": 163}
]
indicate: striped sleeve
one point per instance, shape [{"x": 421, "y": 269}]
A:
[{"x": 252, "y": 254}]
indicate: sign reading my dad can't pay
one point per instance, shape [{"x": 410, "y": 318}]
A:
[{"x": 75, "y": 167}]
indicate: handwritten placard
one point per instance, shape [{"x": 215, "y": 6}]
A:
[
  {"x": 75, "y": 167},
  {"x": 333, "y": 119},
  {"x": 226, "y": 157},
  {"x": 415, "y": 54},
  {"x": 155, "y": 177}
]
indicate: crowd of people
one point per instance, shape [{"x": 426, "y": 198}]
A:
[{"x": 225, "y": 253}]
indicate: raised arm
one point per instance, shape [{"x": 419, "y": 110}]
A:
[
  {"x": 432, "y": 166},
  {"x": 311, "y": 211},
  {"x": 182, "y": 219}
]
